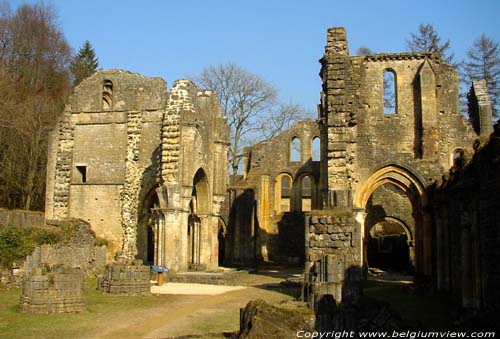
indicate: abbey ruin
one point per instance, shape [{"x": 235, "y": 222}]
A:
[
  {"x": 144, "y": 166},
  {"x": 386, "y": 179}
]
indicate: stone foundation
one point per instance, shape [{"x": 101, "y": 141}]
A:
[
  {"x": 53, "y": 292},
  {"x": 333, "y": 257},
  {"x": 130, "y": 278}
]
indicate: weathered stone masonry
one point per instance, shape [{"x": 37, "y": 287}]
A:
[
  {"x": 136, "y": 160},
  {"x": 376, "y": 166}
]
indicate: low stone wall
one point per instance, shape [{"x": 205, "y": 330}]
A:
[
  {"x": 223, "y": 278},
  {"x": 79, "y": 251},
  {"x": 53, "y": 292},
  {"x": 21, "y": 218},
  {"x": 129, "y": 278},
  {"x": 53, "y": 274},
  {"x": 333, "y": 257}
]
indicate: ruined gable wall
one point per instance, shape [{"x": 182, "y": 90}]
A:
[
  {"x": 278, "y": 237},
  {"x": 100, "y": 139},
  {"x": 420, "y": 136}
]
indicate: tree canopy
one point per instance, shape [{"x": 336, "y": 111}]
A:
[
  {"x": 428, "y": 40},
  {"x": 483, "y": 62},
  {"x": 34, "y": 84},
  {"x": 250, "y": 105},
  {"x": 84, "y": 63}
]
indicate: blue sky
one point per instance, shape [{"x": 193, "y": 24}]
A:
[{"x": 281, "y": 41}]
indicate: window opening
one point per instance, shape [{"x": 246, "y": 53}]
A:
[
  {"x": 107, "y": 94},
  {"x": 390, "y": 103},
  {"x": 316, "y": 154},
  {"x": 295, "y": 150},
  {"x": 83, "y": 173}
]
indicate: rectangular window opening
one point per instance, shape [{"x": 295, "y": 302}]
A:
[{"x": 83, "y": 172}]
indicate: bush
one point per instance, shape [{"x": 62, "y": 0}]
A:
[{"x": 16, "y": 242}]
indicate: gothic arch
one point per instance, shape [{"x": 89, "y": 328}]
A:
[
  {"x": 413, "y": 188},
  {"x": 399, "y": 176},
  {"x": 201, "y": 193}
]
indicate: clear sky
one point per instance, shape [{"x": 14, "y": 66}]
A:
[{"x": 281, "y": 41}]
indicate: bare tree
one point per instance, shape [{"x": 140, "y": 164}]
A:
[
  {"x": 279, "y": 118},
  {"x": 243, "y": 97},
  {"x": 484, "y": 63},
  {"x": 34, "y": 85},
  {"x": 428, "y": 40},
  {"x": 363, "y": 50}
]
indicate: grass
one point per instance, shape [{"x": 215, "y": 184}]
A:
[
  {"x": 100, "y": 310},
  {"x": 418, "y": 311}
]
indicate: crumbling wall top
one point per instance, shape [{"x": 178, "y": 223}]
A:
[
  {"x": 336, "y": 41},
  {"x": 481, "y": 92}
]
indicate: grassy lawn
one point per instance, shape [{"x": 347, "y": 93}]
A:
[
  {"x": 101, "y": 309},
  {"x": 419, "y": 311}
]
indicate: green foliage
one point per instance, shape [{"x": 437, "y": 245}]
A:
[
  {"x": 17, "y": 242},
  {"x": 83, "y": 64}
]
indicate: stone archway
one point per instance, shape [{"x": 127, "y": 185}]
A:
[
  {"x": 147, "y": 230},
  {"x": 389, "y": 243},
  {"x": 199, "y": 208},
  {"x": 414, "y": 190}
]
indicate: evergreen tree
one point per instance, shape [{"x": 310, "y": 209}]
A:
[
  {"x": 83, "y": 64},
  {"x": 484, "y": 63},
  {"x": 428, "y": 40}
]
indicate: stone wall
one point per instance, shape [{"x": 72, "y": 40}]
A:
[
  {"x": 53, "y": 292},
  {"x": 466, "y": 205},
  {"x": 127, "y": 277},
  {"x": 78, "y": 251},
  {"x": 368, "y": 147},
  {"x": 53, "y": 274},
  {"x": 124, "y": 157},
  {"x": 263, "y": 223},
  {"x": 21, "y": 218},
  {"x": 333, "y": 257}
]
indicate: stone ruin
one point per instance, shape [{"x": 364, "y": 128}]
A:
[
  {"x": 56, "y": 291},
  {"x": 333, "y": 255},
  {"x": 128, "y": 277},
  {"x": 53, "y": 274}
]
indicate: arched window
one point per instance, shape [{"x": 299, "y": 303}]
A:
[
  {"x": 316, "y": 147},
  {"x": 295, "y": 149},
  {"x": 306, "y": 192},
  {"x": 283, "y": 191},
  {"x": 285, "y": 187},
  {"x": 458, "y": 158},
  {"x": 107, "y": 94},
  {"x": 306, "y": 187},
  {"x": 390, "y": 92}
]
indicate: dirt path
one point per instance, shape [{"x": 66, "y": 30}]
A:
[{"x": 194, "y": 314}]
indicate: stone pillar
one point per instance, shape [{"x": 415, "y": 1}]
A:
[
  {"x": 480, "y": 110},
  {"x": 130, "y": 193},
  {"x": 430, "y": 136}
]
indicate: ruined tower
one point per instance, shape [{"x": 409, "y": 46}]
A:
[{"x": 390, "y": 127}]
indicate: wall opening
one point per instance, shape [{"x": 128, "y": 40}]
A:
[
  {"x": 295, "y": 150},
  {"x": 390, "y": 92},
  {"x": 149, "y": 231},
  {"x": 107, "y": 94},
  {"x": 284, "y": 189},
  {"x": 387, "y": 247},
  {"x": 82, "y": 170},
  {"x": 457, "y": 158},
  {"x": 221, "y": 239},
  {"x": 306, "y": 193},
  {"x": 150, "y": 243},
  {"x": 316, "y": 149}
]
